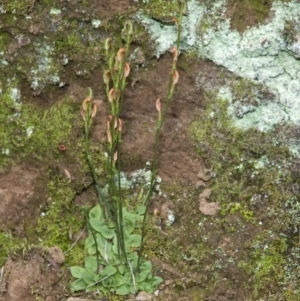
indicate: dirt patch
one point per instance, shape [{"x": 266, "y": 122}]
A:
[
  {"x": 30, "y": 278},
  {"x": 246, "y": 13},
  {"x": 21, "y": 196}
]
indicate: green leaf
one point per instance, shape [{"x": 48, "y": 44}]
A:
[
  {"x": 156, "y": 281},
  {"x": 89, "y": 242},
  {"x": 122, "y": 290},
  {"x": 111, "y": 224},
  {"x": 121, "y": 269},
  {"x": 100, "y": 241},
  {"x": 96, "y": 224},
  {"x": 96, "y": 212},
  {"x": 141, "y": 210},
  {"x": 146, "y": 286},
  {"x": 130, "y": 215},
  {"x": 127, "y": 238},
  {"x": 102, "y": 228},
  {"x": 78, "y": 285},
  {"x": 92, "y": 250},
  {"x": 118, "y": 280},
  {"x": 91, "y": 264},
  {"x": 129, "y": 225},
  {"x": 142, "y": 276},
  {"x": 136, "y": 240},
  {"x": 109, "y": 270},
  {"x": 88, "y": 277},
  {"x": 106, "y": 251},
  {"x": 146, "y": 266},
  {"x": 77, "y": 271}
]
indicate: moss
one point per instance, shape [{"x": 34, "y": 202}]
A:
[
  {"x": 5, "y": 39},
  {"x": 18, "y": 7},
  {"x": 10, "y": 245},
  {"x": 267, "y": 261},
  {"x": 250, "y": 13},
  {"x": 233, "y": 153},
  {"x": 30, "y": 131},
  {"x": 61, "y": 219},
  {"x": 161, "y": 10}
]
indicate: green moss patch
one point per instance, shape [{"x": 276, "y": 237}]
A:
[{"x": 33, "y": 132}]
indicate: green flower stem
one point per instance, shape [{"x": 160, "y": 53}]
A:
[{"x": 160, "y": 122}]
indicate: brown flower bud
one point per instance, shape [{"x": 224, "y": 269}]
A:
[
  {"x": 120, "y": 127},
  {"x": 120, "y": 54},
  {"x": 94, "y": 110},
  {"x": 109, "y": 138},
  {"x": 115, "y": 157},
  {"x": 158, "y": 105},
  {"x": 106, "y": 77},
  {"x": 111, "y": 95},
  {"x": 82, "y": 113},
  {"x": 107, "y": 44},
  {"x": 174, "y": 51},
  {"x": 175, "y": 78},
  {"x": 126, "y": 69},
  {"x": 86, "y": 102},
  {"x": 115, "y": 122}
]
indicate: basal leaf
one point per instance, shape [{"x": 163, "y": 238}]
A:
[
  {"x": 106, "y": 251},
  {"x": 142, "y": 276},
  {"x": 92, "y": 250},
  {"x": 103, "y": 229},
  {"x": 109, "y": 270},
  {"x": 146, "y": 266},
  {"x": 89, "y": 242},
  {"x": 121, "y": 269},
  {"x": 122, "y": 290},
  {"x": 141, "y": 210},
  {"x": 88, "y": 277},
  {"x": 90, "y": 263},
  {"x": 127, "y": 238},
  {"x": 156, "y": 281},
  {"x": 100, "y": 240},
  {"x": 119, "y": 280},
  {"x": 146, "y": 286},
  {"x": 78, "y": 285},
  {"x": 130, "y": 225},
  {"x": 96, "y": 224},
  {"x": 77, "y": 271},
  {"x": 96, "y": 212},
  {"x": 136, "y": 240}
]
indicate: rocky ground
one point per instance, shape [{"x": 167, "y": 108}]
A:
[{"x": 234, "y": 193}]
